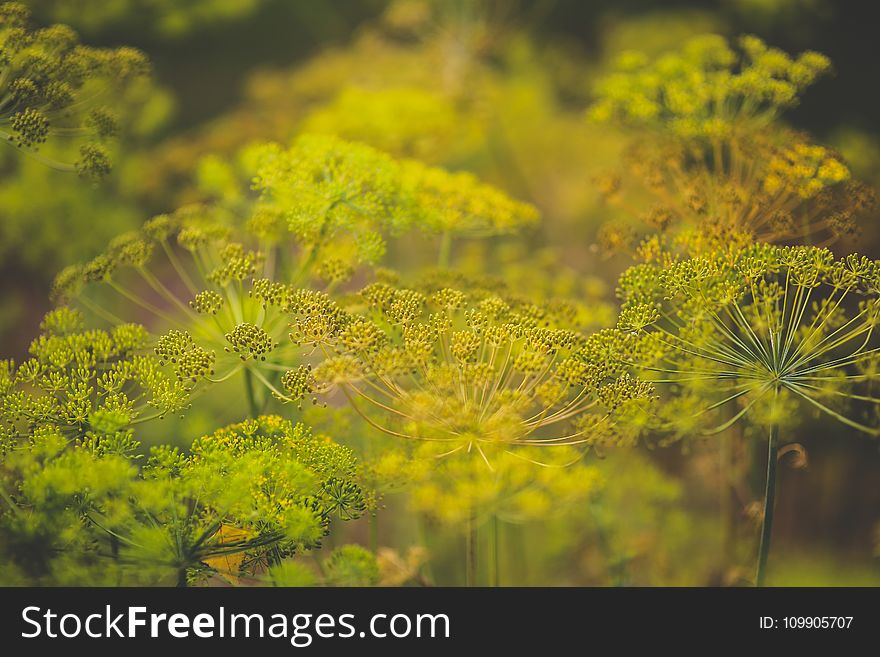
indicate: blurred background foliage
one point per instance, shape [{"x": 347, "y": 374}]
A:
[{"x": 497, "y": 88}]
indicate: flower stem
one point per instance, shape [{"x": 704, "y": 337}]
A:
[
  {"x": 373, "y": 525},
  {"x": 728, "y": 517},
  {"x": 251, "y": 395},
  {"x": 494, "y": 541},
  {"x": 8, "y": 499},
  {"x": 181, "y": 578},
  {"x": 769, "y": 504}
]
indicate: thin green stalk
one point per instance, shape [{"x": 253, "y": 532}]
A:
[
  {"x": 728, "y": 503},
  {"x": 769, "y": 505},
  {"x": 516, "y": 539},
  {"x": 181, "y": 578},
  {"x": 373, "y": 524},
  {"x": 251, "y": 394},
  {"x": 8, "y": 499}
]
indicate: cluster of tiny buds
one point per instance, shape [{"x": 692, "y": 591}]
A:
[
  {"x": 316, "y": 317},
  {"x": 93, "y": 162},
  {"x": 271, "y": 293},
  {"x": 238, "y": 264},
  {"x": 30, "y": 128},
  {"x": 697, "y": 92},
  {"x": 191, "y": 362},
  {"x": 299, "y": 383},
  {"x": 249, "y": 341},
  {"x": 207, "y": 302}
]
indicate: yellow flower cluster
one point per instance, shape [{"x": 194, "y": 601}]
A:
[{"x": 707, "y": 90}]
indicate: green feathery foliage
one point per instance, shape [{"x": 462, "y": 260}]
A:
[
  {"x": 348, "y": 565},
  {"x": 243, "y": 499}
]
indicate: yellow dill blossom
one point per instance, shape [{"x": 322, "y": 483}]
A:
[
  {"x": 466, "y": 370},
  {"x": 338, "y": 201},
  {"x": 460, "y": 205},
  {"x": 710, "y": 154},
  {"x": 707, "y": 90},
  {"x": 92, "y": 384},
  {"x": 246, "y": 497},
  {"x": 405, "y": 121},
  {"x": 766, "y": 334},
  {"x": 325, "y": 188},
  {"x": 805, "y": 168}
]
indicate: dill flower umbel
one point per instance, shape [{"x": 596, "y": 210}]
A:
[
  {"x": 459, "y": 205},
  {"x": 711, "y": 154},
  {"x": 467, "y": 371},
  {"x": 346, "y": 197},
  {"x": 406, "y": 121},
  {"x": 707, "y": 90},
  {"x": 54, "y": 89},
  {"x": 89, "y": 384},
  {"x": 214, "y": 310},
  {"x": 219, "y": 280},
  {"x": 262, "y": 489},
  {"x": 763, "y": 324},
  {"x": 492, "y": 393},
  {"x": 754, "y": 333},
  {"x": 490, "y": 399}
]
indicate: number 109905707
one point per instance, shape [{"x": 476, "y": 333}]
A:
[{"x": 806, "y": 622}]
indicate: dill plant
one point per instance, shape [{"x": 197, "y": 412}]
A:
[
  {"x": 494, "y": 396},
  {"x": 480, "y": 116},
  {"x": 715, "y": 169},
  {"x": 244, "y": 498},
  {"x": 64, "y": 107},
  {"x": 756, "y": 332},
  {"x": 712, "y": 153},
  {"x": 223, "y": 283},
  {"x": 490, "y": 398},
  {"x": 449, "y": 204},
  {"x": 80, "y": 380},
  {"x": 219, "y": 280},
  {"x": 81, "y": 506}
]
